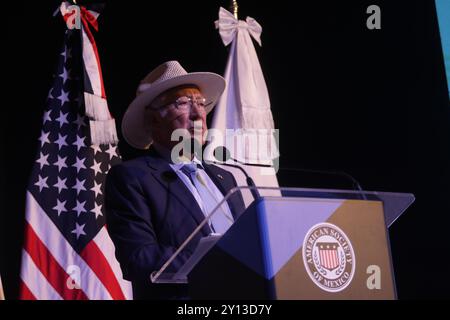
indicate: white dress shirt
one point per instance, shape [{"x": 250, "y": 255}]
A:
[{"x": 215, "y": 192}]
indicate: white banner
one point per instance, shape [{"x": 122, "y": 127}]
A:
[{"x": 244, "y": 108}]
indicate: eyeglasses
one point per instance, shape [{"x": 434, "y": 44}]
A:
[{"x": 186, "y": 103}]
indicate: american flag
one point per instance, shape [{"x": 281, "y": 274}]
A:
[{"x": 67, "y": 252}]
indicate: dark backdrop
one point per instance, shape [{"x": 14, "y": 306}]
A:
[{"x": 371, "y": 103}]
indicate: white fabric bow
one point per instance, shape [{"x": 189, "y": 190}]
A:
[{"x": 228, "y": 26}]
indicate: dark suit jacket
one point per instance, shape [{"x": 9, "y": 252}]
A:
[{"x": 150, "y": 213}]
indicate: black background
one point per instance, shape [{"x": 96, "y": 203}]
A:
[{"x": 373, "y": 103}]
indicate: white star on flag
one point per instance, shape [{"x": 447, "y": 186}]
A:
[
  {"x": 44, "y": 138},
  {"x": 97, "y": 189},
  {"x": 60, "y": 207},
  {"x": 111, "y": 151},
  {"x": 47, "y": 116},
  {"x": 97, "y": 210},
  {"x": 79, "y": 208},
  {"x": 96, "y": 149},
  {"x": 61, "y": 184},
  {"x": 42, "y": 160},
  {"x": 65, "y": 75},
  {"x": 61, "y": 142},
  {"x": 80, "y": 121},
  {"x": 79, "y": 164},
  {"x": 79, "y": 186},
  {"x": 61, "y": 163},
  {"x": 79, "y": 230},
  {"x": 96, "y": 167},
  {"x": 42, "y": 183},
  {"x": 62, "y": 118},
  {"x": 64, "y": 97},
  {"x": 79, "y": 143}
]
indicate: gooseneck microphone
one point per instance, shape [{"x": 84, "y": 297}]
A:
[
  {"x": 222, "y": 154},
  {"x": 355, "y": 183}
]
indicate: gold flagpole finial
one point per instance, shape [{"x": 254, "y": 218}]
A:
[{"x": 234, "y": 8}]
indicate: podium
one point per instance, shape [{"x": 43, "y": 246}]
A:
[{"x": 294, "y": 244}]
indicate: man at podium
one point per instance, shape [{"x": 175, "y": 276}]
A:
[{"x": 153, "y": 203}]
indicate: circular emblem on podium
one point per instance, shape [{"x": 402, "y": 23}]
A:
[{"x": 329, "y": 257}]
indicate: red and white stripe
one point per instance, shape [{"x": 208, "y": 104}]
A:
[
  {"x": 104, "y": 244},
  {"x": 39, "y": 287},
  {"x": 329, "y": 259},
  {"x": 47, "y": 256}
]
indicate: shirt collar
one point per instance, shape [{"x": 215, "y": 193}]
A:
[
  {"x": 166, "y": 155},
  {"x": 178, "y": 166}
]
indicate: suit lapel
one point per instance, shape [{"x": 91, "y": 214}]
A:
[
  {"x": 162, "y": 172},
  {"x": 224, "y": 185}
]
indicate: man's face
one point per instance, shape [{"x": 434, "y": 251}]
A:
[{"x": 173, "y": 110}]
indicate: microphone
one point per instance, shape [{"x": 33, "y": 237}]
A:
[
  {"x": 355, "y": 183},
  {"x": 219, "y": 153},
  {"x": 344, "y": 174},
  {"x": 222, "y": 150}
]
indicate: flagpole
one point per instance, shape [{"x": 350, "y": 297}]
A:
[{"x": 234, "y": 8}]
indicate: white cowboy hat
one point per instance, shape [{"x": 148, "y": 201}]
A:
[{"x": 168, "y": 75}]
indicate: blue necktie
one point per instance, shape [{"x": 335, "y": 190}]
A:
[{"x": 220, "y": 220}]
